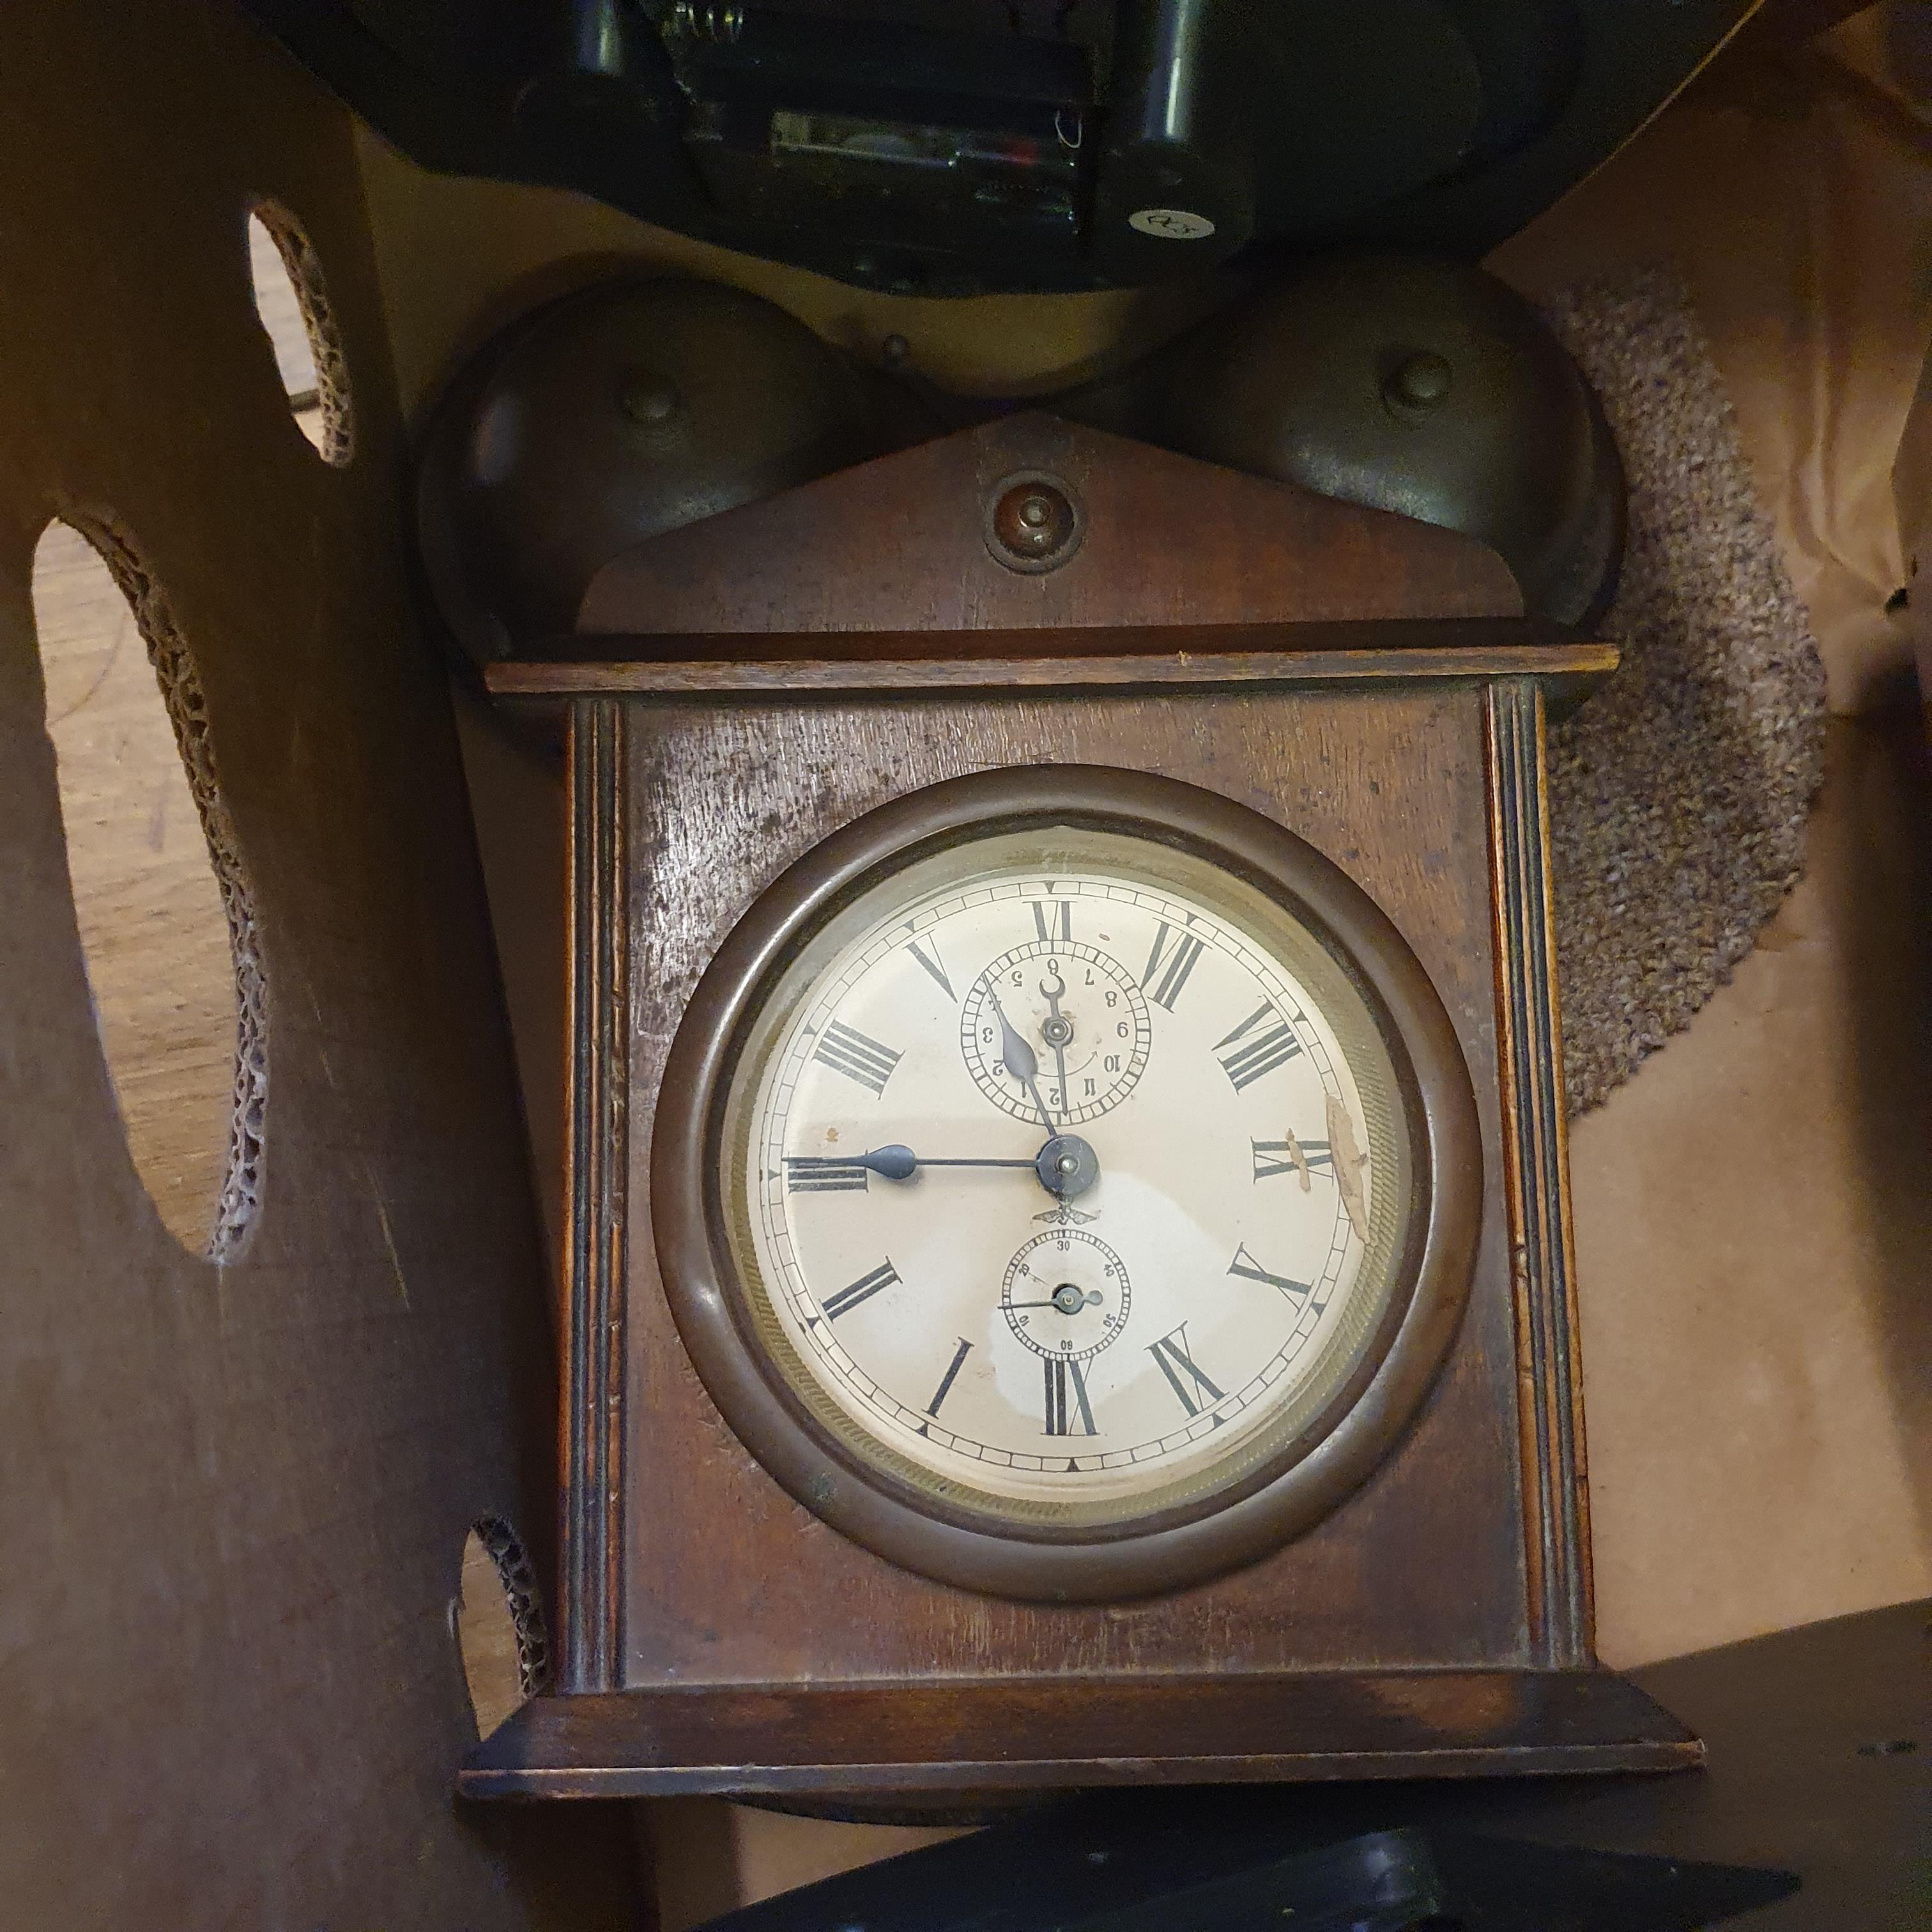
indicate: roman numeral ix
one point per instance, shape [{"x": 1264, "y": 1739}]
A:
[
  {"x": 1289, "y": 1157},
  {"x": 847, "y": 1051},
  {"x": 1255, "y": 1053}
]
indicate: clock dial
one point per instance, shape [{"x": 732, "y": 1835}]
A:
[
  {"x": 1083, "y": 1019},
  {"x": 1066, "y": 1178}
]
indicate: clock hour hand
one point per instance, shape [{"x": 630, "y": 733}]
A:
[
  {"x": 1018, "y": 1058},
  {"x": 1065, "y": 1166},
  {"x": 898, "y": 1162}
]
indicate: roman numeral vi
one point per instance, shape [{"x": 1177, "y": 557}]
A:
[
  {"x": 1068, "y": 1411},
  {"x": 1054, "y": 920}
]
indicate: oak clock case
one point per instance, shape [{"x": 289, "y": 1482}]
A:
[
  {"x": 844, "y": 1516},
  {"x": 1049, "y": 1167}
]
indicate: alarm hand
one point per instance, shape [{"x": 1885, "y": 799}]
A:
[
  {"x": 1018, "y": 1059},
  {"x": 1057, "y": 1031}
]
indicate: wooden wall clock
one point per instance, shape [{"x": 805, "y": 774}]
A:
[{"x": 1069, "y": 1281}]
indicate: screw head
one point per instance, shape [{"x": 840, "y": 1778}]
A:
[
  {"x": 650, "y": 399},
  {"x": 1032, "y": 524}
]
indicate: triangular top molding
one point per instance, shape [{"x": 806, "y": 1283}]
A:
[{"x": 900, "y": 545}]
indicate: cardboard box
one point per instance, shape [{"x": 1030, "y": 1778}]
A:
[{"x": 235, "y": 1494}]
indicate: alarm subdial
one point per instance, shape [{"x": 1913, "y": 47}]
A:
[
  {"x": 1083, "y": 1021},
  {"x": 1065, "y": 1295}
]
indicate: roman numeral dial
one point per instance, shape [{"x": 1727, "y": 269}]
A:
[
  {"x": 1170, "y": 962},
  {"x": 855, "y": 1294},
  {"x": 818, "y": 1174},
  {"x": 1245, "y": 1265},
  {"x": 1303, "y": 1158},
  {"x": 1056, "y": 1174},
  {"x": 1053, "y": 920}
]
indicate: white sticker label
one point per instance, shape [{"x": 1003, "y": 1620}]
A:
[{"x": 1171, "y": 224}]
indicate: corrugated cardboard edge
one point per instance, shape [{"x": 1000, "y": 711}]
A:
[{"x": 233, "y": 1495}]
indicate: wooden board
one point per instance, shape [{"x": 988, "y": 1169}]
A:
[
  {"x": 713, "y": 1588},
  {"x": 1057, "y": 1733},
  {"x": 720, "y": 800},
  {"x": 1153, "y": 657}
]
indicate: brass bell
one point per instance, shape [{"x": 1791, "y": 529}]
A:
[{"x": 617, "y": 414}]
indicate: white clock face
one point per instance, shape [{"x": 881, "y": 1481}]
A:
[{"x": 1066, "y": 1176}]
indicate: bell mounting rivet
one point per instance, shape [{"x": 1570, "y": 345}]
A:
[
  {"x": 1422, "y": 380},
  {"x": 650, "y": 401}
]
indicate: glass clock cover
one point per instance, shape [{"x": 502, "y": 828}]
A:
[{"x": 1067, "y": 1179}]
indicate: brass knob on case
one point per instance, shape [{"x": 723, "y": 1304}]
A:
[
  {"x": 1033, "y": 520},
  {"x": 1032, "y": 524}
]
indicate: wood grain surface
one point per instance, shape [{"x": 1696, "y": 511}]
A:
[
  {"x": 900, "y": 545},
  {"x": 1147, "y": 656},
  {"x": 1061, "y": 1731},
  {"x": 1181, "y": 1542},
  {"x": 725, "y": 1578},
  {"x": 1537, "y": 1180}
]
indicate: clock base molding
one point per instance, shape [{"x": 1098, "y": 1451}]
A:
[{"x": 1055, "y": 1734}]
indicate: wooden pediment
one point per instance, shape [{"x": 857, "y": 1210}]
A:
[{"x": 900, "y": 545}]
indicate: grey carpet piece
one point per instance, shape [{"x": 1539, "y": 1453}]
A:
[{"x": 1679, "y": 793}]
